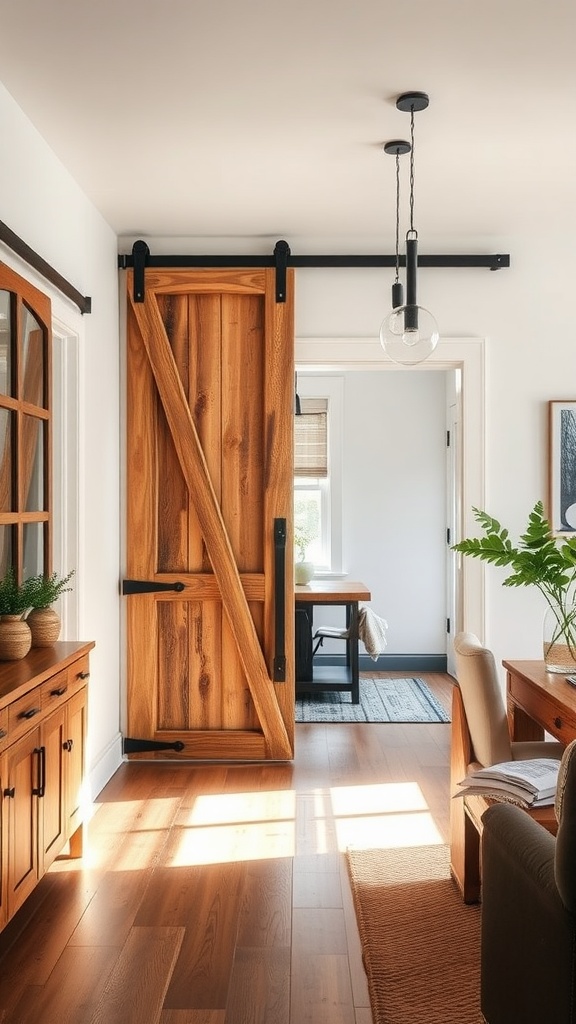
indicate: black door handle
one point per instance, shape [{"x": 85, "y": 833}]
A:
[{"x": 279, "y": 673}]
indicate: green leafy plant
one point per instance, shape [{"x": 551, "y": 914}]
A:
[
  {"x": 42, "y": 591},
  {"x": 14, "y": 596},
  {"x": 538, "y": 560}
]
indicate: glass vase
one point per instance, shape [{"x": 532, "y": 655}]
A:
[{"x": 559, "y": 639}]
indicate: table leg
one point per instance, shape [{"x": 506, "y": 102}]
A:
[{"x": 352, "y": 652}]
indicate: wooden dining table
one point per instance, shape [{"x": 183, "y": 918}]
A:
[{"x": 344, "y": 593}]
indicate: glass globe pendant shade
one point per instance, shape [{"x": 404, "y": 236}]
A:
[{"x": 409, "y": 334}]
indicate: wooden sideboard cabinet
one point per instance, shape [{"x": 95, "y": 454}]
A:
[{"x": 43, "y": 702}]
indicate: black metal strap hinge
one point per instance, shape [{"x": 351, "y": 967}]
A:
[
  {"x": 135, "y": 746},
  {"x": 149, "y": 587},
  {"x": 281, "y": 255},
  {"x": 140, "y": 252}
]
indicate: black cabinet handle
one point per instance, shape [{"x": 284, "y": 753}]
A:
[
  {"x": 59, "y": 692},
  {"x": 41, "y": 787},
  {"x": 3, "y": 733},
  {"x": 558, "y": 723},
  {"x": 83, "y": 675},
  {"x": 10, "y": 792},
  {"x": 67, "y": 745},
  {"x": 30, "y": 713}
]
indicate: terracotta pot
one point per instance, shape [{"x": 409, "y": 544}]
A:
[
  {"x": 45, "y": 626},
  {"x": 15, "y": 638}
]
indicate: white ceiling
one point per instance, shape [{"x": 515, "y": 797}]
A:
[{"x": 223, "y": 118}]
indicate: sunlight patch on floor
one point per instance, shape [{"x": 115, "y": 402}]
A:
[
  {"x": 225, "y": 844},
  {"x": 380, "y": 798},
  {"x": 382, "y": 816},
  {"x": 227, "y": 808},
  {"x": 387, "y": 831},
  {"x": 259, "y": 825}
]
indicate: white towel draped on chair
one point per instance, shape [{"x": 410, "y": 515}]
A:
[{"x": 372, "y": 632}]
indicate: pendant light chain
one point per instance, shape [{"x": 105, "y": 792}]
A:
[
  {"x": 397, "y": 216},
  {"x": 412, "y": 170}
]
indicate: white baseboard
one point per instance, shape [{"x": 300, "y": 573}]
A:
[{"x": 108, "y": 762}]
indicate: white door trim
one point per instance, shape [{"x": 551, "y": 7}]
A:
[{"x": 468, "y": 355}]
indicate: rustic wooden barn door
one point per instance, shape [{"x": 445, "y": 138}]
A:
[{"x": 209, "y": 564}]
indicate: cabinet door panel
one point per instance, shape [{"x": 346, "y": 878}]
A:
[
  {"x": 52, "y": 820},
  {"x": 22, "y": 817},
  {"x": 3, "y": 842},
  {"x": 75, "y": 759}
]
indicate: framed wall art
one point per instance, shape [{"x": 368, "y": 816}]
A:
[{"x": 562, "y": 467}]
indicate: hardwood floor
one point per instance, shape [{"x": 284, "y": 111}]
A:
[{"x": 218, "y": 894}]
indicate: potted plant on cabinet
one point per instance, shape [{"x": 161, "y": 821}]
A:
[
  {"x": 15, "y": 633},
  {"x": 43, "y": 620},
  {"x": 540, "y": 560}
]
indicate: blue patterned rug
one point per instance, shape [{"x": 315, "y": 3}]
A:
[{"x": 381, "y": 700}]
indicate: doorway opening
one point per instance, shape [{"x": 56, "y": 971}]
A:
[{"x": 462, "y": 363}]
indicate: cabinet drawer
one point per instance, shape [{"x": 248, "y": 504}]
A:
[
  {"x": 64, "y": 684},
  {"x": 559, "y": 722},
  {"x": 78, "y": 674},
  {"x": 24, "y": 713},
  {"x": 55, "y": 690}
]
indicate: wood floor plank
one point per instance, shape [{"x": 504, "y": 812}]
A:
[
  {"x": 317, "y": 889},
  {"x": 260, "y": 987},
  {"x": 196, "y": 1017},
  {"x": 33, "y": 955},
  {"x": 358, "y": 978},
  {"x": 320, "y": 990},
  {"x": 135, "y": 990},
  {"x": 266, "y": 913},
  {"x": 70, "y": 993},
  {"x": 201, "y": 975},
  {"x": 110, "y": 915},
  {"x": 319, "y": 931}
]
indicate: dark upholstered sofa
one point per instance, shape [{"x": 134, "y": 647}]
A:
[{"x": 528, "y": 973}]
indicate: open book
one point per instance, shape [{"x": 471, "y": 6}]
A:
[{"x": 530, "y": 783}]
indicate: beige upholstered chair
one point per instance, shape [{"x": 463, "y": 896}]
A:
[{"x": 480, "y": 737}]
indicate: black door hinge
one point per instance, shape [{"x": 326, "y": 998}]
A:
[
  {"x": 149, "y": 587},
  {"x": 136, "y": 746}
]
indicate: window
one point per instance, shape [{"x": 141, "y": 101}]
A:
[
  {"x": 317, "y": 471},
  {"x": 25, "y": 427}
]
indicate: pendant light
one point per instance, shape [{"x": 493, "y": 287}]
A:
[{"x": 409, "y": 333}]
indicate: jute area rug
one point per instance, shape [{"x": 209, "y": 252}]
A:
[
  {"x": 381, "y": 700},
  {"x": 420, "y": 942}
]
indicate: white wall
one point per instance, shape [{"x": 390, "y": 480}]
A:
[
  {"x": 394, "y": 510},
  {"x": 394, "y": 500},
  {"x": 42, "y": 204}
]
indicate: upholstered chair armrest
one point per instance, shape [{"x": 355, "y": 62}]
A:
[{"x": 528, "y": 936}]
